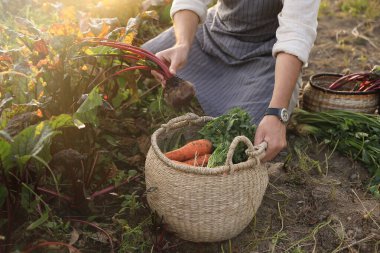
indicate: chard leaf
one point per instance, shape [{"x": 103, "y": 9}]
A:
[
  {"x": 5, "y": 155},
  {"x": 4, "y": 135},
  {"x": 86, "y": 113},
  {"x": 63, "y": 120},
  {"x": 31, "y": 141}
]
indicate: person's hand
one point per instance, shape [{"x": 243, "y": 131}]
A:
[
  {"x": 175, "y": 57},
  {"x": 273, "y": 131}
]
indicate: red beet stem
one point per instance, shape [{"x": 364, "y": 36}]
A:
[
  {"x": 131, "y": 68},
  {"x": 142, "y": 67},
  {"x": 138, "y": 51},
  {"x": 374, "y": 86},
  {"x": 345, "y": 79},
  {"x": 53, "y": 193},
  {"x": 111, "y": 188},
  {"x": 46, "y": 244}
]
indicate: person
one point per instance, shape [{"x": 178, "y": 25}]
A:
[{"x": 242, "y": 53}]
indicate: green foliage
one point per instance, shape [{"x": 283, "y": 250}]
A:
[
  {"x": 133, "y": 239},
  {"x": 5, "y": 136},
  {"x": 368, "y": 8},
  {"x": 30, "y": 142},
  {"x": 222, "y": 130},
  {"x": 130, "y": 203},
  {"x": 355, "y": 135},
  {"x": 60, "y": 121},
  {"x": 87, "y": 112},
  {"x": 48, "y": 74},
  {"x": 5, "y": 150}
]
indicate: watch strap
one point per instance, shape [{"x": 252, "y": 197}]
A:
[
  {"x": 273, "y": 111},
  {"x": 281, "y": 113}
]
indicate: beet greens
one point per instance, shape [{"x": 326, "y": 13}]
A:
[{"x": 177, "y": 92}]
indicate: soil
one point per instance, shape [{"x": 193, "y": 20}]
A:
[{"x": 316, "y": 202}]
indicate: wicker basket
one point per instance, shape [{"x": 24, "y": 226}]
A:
[
  {"x": 317, "y": 97},
  {"x": 203, "y": 204}
]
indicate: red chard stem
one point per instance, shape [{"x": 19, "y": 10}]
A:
[{"x": 138, "y": 51}]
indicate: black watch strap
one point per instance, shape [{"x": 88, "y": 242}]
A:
[
  {"x": 281, "y": 113},
  {"x": 273, "y": 111}
]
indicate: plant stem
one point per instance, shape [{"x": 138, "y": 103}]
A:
[
  {"x": 138, "y": 51},
  {"x": 111, "y": 188},
  {"x": 56, "y": 194},
  {"x": 46, "y": 244}
]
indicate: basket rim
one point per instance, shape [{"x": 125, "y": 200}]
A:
[
  {"x": 313, "y": 77},
  {"x": 251, "y": 163}
]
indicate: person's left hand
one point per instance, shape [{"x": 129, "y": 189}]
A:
[{"x": 273, "y": 131}]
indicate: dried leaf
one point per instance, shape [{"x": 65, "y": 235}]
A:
[
  {"x": 99, "y": 237},
  {"x": 135, "y": 160},
  {"x": 112, "y": 171},
  {"x": 74, "y": 236},
  {"x": 41, "y": 47}
]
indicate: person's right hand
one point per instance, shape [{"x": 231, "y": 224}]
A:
[{"x": 175, "y": 57}]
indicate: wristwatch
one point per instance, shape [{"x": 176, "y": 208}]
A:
[{"x": 281, "y": 113}]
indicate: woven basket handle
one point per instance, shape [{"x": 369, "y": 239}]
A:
[
  {"x": 256, "y": 152},
  {"x": 186, "y": 117},
  {"x": 185, "y": 120}
]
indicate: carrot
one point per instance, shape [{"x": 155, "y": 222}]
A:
[
  {"x": 190, "y": 150},
  {"x": 199, "y": 161}
]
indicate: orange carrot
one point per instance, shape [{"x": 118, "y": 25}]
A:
[
  {"x": 191, "y": 150},
  {"x": 201, "y": 160}
]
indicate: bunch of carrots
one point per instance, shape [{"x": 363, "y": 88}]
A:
[
  {"x": 211, "y": 149},
  {"x": 194, "y": 153}
]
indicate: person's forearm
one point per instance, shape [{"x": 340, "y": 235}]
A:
[
  {"x": 185, "y": 26},
  {"x": 288, "y": 68}
]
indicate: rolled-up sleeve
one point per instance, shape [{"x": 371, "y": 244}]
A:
[
  {"x": 297, "y": 28},
  {"x": 197, "y": 6}
]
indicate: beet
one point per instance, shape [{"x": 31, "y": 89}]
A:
[{"x": 178, "y": 92}]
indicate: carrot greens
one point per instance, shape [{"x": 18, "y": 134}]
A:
[
  {"x": 356, "y": 135},
  {"x": 222, "y": 130}
]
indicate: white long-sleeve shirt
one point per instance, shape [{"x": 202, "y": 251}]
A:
[{"x": 297, "y": 24}]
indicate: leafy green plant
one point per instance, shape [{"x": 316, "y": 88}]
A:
[
  {"x": 222, "y": 130},
  {"x": 368, "y": 8},
  {"x": 68, "y": 123},
  {"x": 356, "y": 135},
  {"x": 44, "y": 94},
  {"x": 23, "y": 165}
]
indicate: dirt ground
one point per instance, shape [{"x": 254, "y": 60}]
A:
[{"x": 317, "y": 201}]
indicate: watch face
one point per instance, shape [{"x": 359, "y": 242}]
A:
[{"x": 284, "y": 115}]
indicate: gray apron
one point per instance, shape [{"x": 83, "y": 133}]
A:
[{"x": 230, "y": 62}]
